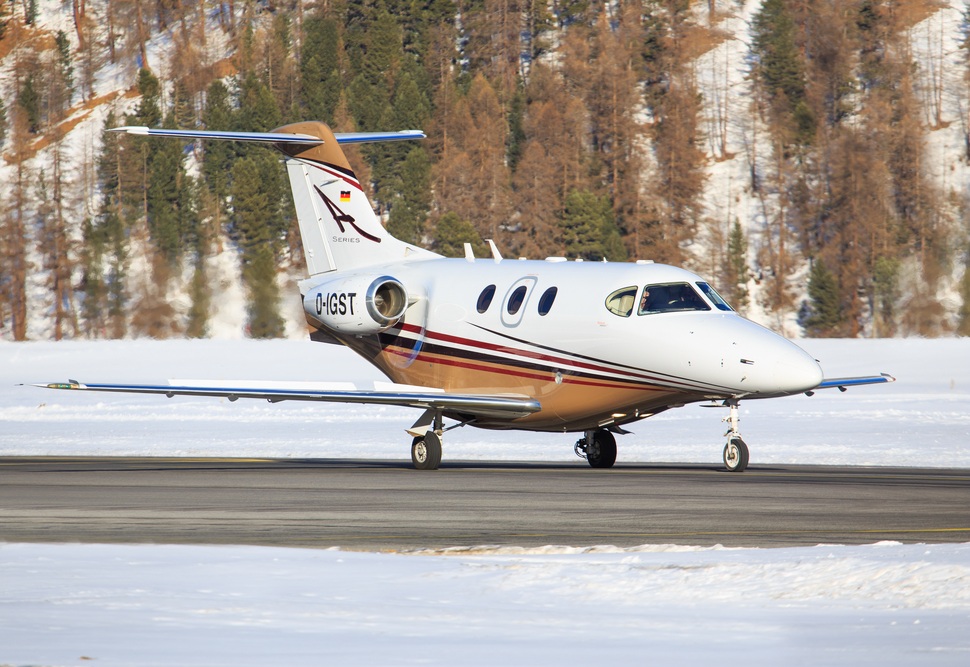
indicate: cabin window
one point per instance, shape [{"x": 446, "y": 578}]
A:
[
  {"x": 515, "y": 301},
  {"x": 485, "y": 298},
  {"x": 545, "y": 302},
  {"x": 715, "y": 298},
  {"x": 621, "y": 301},
  {"x": 670, "y": 298}
]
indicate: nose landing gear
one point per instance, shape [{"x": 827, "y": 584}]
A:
[
  {"x": 598, "y": 448},
  {"x": 735, "y": 451}
]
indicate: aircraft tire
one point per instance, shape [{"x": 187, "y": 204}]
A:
[
  {"x": 735, "y": 455},
  {"x": 602, "y": 451},
  {"x": 426, "y": 451}
]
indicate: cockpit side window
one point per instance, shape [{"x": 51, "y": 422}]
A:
[
  {"x": 621, "y": 301},
  {"x": 715, "y": 298},
  {"x": 669, "y": 298}
]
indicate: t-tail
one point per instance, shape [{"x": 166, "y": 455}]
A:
[{"x": 338, "y": 226}]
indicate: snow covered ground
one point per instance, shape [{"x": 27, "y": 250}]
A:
[{"x": 884, "y": 604}]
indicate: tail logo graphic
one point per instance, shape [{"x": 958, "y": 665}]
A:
[{"x": 340, "y": 217}]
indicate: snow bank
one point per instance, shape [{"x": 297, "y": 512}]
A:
[{"x": 885, "y": 604}]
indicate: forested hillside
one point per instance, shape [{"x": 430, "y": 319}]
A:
[{"x": 812, "y": 158}]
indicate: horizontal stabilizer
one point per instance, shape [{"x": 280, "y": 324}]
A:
[
  {"x": 271, "y": 137},
  {"x": 508, "y": 406}
]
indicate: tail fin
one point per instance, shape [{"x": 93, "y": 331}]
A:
[{"x": 339, "y": 228}]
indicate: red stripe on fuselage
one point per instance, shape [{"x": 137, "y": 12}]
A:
[
  {"x": 509, "y": 370},
  {"x": 541, "y": 357}
]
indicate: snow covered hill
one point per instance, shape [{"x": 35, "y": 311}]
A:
[{"x": 733, "y": 138}]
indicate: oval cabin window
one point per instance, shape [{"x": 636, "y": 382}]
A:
[
  {"x": 485, "y": 298},
  {"x": 515, "y": 301},
  {"x": 545, "y": 302}
]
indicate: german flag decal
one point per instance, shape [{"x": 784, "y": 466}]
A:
[{"x": 345, "y": 196}]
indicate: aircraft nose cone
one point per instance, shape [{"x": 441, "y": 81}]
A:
[
  {"x": 796, "y": 371},
  {"x": 777, "y": 365}
]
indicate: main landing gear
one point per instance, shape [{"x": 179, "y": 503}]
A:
[
  {"x": 598, "y": 448},
  {"x": 735, "y": 451},
  {"x": 426, "y": 451},
  {"x": 426, "y": 446}
]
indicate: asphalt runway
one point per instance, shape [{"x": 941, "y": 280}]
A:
[{"x": 386, "y": 505}]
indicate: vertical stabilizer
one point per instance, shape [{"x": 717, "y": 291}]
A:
[{"x": 339, "y": 228}]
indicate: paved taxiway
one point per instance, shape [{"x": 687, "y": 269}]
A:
[{"x": 387, "y": 505}]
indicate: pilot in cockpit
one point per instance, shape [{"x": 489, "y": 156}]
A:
[
  {"x": 649, "y": 303},
  {"x": 644, "y": 299}
]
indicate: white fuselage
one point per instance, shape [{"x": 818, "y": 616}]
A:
[{"x": 588, "y": 365}]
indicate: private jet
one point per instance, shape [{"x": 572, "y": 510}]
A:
[{"x": 496, "y": 343}]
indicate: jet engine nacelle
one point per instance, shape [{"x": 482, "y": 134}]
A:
[{"x": 359, "y": 305}]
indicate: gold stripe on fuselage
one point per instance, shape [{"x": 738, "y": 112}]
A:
[{"x": 570, "y": 401}]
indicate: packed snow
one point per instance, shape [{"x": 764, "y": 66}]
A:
[
  {"x": 923, "y": 419},
  {"x": 883, "y": 604}
]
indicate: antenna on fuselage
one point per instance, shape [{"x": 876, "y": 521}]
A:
[
  {"x": 496, "y": 255},
  {"x": 469, "y": 253}
]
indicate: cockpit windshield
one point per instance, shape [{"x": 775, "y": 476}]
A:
[
  {"x": 715, "y": 298},
  {"x": 671, "y": 297}
]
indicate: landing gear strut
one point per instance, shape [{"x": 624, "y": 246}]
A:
[
  {"x": 598, "y": 448},
  {"x": 735, "y": 451}
]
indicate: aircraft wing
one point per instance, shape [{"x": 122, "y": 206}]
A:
[
  {"x": 844, "y": 383},
  {"x": 504, "y": 406}
]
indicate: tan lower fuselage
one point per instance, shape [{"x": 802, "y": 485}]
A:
[{"x": 569, "y": 402}]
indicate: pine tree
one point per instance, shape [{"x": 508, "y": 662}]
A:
[
  {"x": 374, "y": 44},
  {"x": 409, "y": 209},
  {"x": 825, "y": 313},
  {"x": 217, "y": 159},
  {"x": 774, "y": 45},
  {"x": 106, "y": 297},
  {"x": 136, "y": 167},
  {"x": 779, "y": 66},
  {"x": 29, "y": 101},
  {"x": 516, "y": 139},
  {"x": 257, "y": 109},
  {"x": 65, "y": 66},
  {"x": 198, "y": 317},
  {"x": 410, "y": 110},
  {"x": 320, "y": 75},
  {"x": 254, "y": 212},
  {"x": 736, "y": 267},
  {"x": 885, "y": 287},
  {"x": 166, "y": 180},
  {"x": 451, "y": 235},
  {"x": 588, "y": 229},
  {"x": 95, "y": 290}
]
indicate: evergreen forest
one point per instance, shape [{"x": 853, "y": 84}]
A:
[{"x": 811, "y": 158}]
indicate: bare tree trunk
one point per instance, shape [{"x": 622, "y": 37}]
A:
[
  {"x": 17, "y": 249},
  {"x": 142, "y": 37},
  {"x": 79, "y": 7}
]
